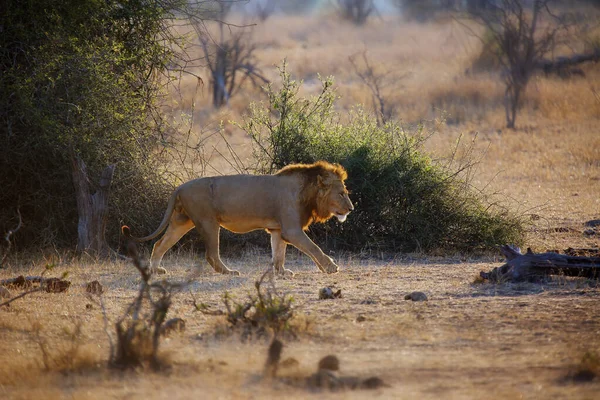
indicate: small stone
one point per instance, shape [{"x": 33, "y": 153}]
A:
[
  {"x": 56, "y": 285},
  {"x": 374, "y": 382},
  {"x": 330, "y": 363},
  {"x": 361, "y": 318},
  {"x": 369, "y": 300},
  {"x": 328, "y": 293},
  {"x": 94, "y": 287},
  {"x": 289, "y": 362},
  {"x": 416, "y": 296}
]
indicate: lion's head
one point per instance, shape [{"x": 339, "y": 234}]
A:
[{"x": 323, "y": 193}]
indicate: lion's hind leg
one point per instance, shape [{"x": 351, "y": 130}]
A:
[
  {"x": 210, "y": 233},
  {"x": 179, "y": 225}
]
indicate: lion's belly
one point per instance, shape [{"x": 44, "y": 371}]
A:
[{"x": 248, "y": 225}]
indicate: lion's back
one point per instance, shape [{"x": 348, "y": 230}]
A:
[{"x": 242, "y": 197}]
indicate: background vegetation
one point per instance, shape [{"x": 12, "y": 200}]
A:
[
  {"x": 404, "y": 201},
  {"x": 91, "y": 80},
  {"x": 83, "y": 79}
]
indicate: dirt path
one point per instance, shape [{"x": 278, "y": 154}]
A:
[{"x": 467, "y": 341}]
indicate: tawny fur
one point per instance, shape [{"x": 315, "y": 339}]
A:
[{"x": 284, "y": 204}]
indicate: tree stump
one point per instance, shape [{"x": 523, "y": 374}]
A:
[{"x": 92, "y": 209}]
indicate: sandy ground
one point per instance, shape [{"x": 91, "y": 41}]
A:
[{"x": 469, "y": 340}]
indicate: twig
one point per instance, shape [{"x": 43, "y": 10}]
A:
[{"x": 7, "y": 302}]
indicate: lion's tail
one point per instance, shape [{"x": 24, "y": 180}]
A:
[{"x": 163, "y": 225}]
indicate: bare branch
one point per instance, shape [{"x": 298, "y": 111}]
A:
[
  {"x": 520, "y": 44},
  {"x": 7, "y": 238},
  {"x": 7, "y": 302},
  {"x": 376, "y": 82}
]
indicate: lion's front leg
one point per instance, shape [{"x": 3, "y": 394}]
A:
[
  {"x": 278, "y": 246},
  {"x": 303, "y": 243}
]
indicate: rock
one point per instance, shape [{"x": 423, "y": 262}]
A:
[
  {"x": 21, "y": 282},
  {"x": 328, "y": 293},
  {"x": 361, "y": 318},
  {"x": 416, "y": 296},
  {"x": 369, "y": 300},
  {"x": 374, "y": 382},
  {"x": 289, "y": 362},
  {"x": 94, "y": 287},
  {"x": 330, "y": 363},
  {"x": 56, "y": 285}
]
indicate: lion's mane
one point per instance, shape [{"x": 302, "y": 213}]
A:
[{"x": 317, "y": 183}]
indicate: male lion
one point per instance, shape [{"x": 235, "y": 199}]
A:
[{"x": 284, "y": 204}]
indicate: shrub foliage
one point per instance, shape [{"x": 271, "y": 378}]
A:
[
  {"x": 403, "y": 200},
  {"x": 80, "y": 78}
]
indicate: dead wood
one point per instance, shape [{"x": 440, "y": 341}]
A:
[
  {"x": 531, "y": 266},
  {"x": 92, "y": 208},
  {"x": 50, "y": 285}
]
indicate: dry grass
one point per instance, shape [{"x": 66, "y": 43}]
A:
[{"x": 468, "y": 341}]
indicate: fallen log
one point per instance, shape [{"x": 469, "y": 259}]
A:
[
  {"x": 531, "y": 266},
  {"x": 50, "y": 285}
]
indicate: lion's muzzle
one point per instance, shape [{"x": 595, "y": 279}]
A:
[{"x": 342, "y": 217}]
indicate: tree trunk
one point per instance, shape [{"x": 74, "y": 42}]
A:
[
  {"x": 512, "y": 97},
  {"x": 507, "y": 108},
  {"x": 92, "y": 209}
]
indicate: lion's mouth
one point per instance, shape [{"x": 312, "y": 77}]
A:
[{"x": 342, "y": 217}]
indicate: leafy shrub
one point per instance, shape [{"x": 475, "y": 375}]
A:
[
  {"x": 403, "y": 200},
  {"x": 81, "y": 78},
  {"x": 268, "y": 313}
]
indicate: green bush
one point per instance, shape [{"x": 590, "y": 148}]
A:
[
  {"x": 403, "y": 200},
  {"x": 81, "y": 78}
]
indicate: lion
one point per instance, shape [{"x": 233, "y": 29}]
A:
[{"x": 284, "y": 204}]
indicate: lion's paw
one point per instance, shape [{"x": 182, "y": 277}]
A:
[
  {"x": 332, "y": 269},
  {"x": 286, "y": 273},
  {"x": 158, "y": 270}
]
